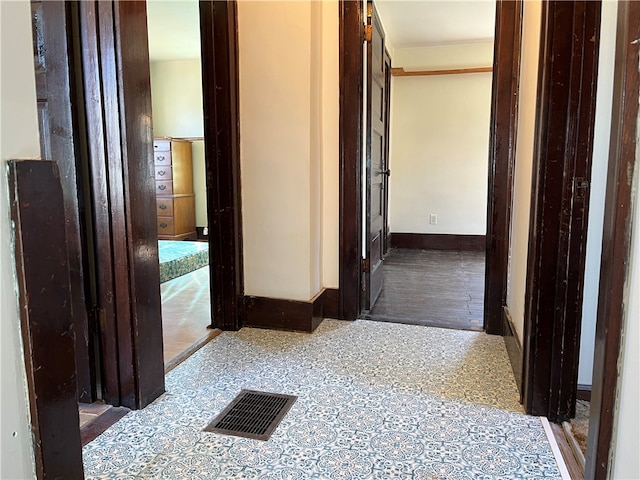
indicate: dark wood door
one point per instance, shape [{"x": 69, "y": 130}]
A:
[
  {"x": 58, "y": 121},
  {"x": 385, "y": 178},
  {"x": 376, "y": 170}
]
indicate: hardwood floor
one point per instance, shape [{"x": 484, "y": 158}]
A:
[
  {"x": 439, "y": 288},
  {"x": 186, "y": 314}
]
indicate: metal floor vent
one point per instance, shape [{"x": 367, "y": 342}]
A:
[{"x": 252, "y": 415}]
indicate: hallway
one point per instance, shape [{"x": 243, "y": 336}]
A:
[
  {"x": 437, "y": 288},
  {"x": 375, "y": 400}
]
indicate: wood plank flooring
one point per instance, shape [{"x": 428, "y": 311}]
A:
[
  {"x": 186, "y": 313},
  {"x": 439, "y": 288}
]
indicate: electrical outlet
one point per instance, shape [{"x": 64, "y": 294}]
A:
[{"x": 433, "y": 219}]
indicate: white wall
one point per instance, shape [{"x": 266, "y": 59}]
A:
[
  {"x": 519, "y": 245},
  {"x": 444, "y": 56},
  {"x": 439, "y": 144},
  {"x": 19, "y": 139},
  {"x": 280, "y": 132},
  {"x": 176, "y": 94},
  {"x": 598, "y": 189}
]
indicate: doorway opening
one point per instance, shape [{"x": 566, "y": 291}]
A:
[
  {"x": 427, "y": 108},
  {"x": 180, "y": 176}
]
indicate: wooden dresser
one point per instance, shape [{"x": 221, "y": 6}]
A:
[{"x": 175, "y": 200}]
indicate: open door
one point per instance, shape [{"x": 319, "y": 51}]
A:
[{"x": 376, "y": 147}]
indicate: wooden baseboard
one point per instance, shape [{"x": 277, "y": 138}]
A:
[
  {"x": 584, "y": 392},
  {"x": 284, "y": 314},
  {"x": 436, "y": 241},
  {"x": 514, "y": 348},
  {"x": 330, "y": 302}
]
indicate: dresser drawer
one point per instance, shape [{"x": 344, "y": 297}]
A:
[
  {"x": 164, "y": 207},
  {"x": 164, "y": 187},
  {"x": 165, "y": 226},
  {"x": 163, "y": 172},
  {"x": 161, "y": 144},
  {"x": 162, "y": 158}
]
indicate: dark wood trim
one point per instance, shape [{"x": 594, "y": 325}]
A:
[
  {"x": 97, "y": 427},
  {"x": 584, "y": 392},
  {"x": 513, "y": 346},
  {"x": 559, "y": 209},
  {"x": 59, "y": 140},
  {"x": 283, "y": 314},
  {"x": 145, "y": 329},
  {"x": 438, "y": 241},
  {"x": 576, "y": 472},
  {"x": 218, "y": 27},
  {"x": 47, "y": 325},
  {"x": 117, "y": 106},
  {"x": 330, "y": 300},
  {"x": 502, "y": 145},
  {"x": 351, "y": 81},
  {"x": 616, "y": 243}
]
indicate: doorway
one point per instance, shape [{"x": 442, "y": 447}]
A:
[
  {"x": 180, "y": 175},
  {"x": 432, "y": 133}
]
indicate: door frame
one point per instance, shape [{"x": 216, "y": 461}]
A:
[
  {"x": 351, "y": 58},
  {"x": 616, "y": 242},
  {"x": 559, "y": 206},
  {"x": 220, "y": 96}
]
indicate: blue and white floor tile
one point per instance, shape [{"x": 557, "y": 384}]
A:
[{"x": 375, "y": 401}]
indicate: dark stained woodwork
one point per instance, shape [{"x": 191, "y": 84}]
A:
[
  {"x": 502, "y": 145},
  {"x": 559, "y": 209},
  {"x": 47, "y": 323},
  {"x": 218, "y": 29},
  {"x": 513, "y": 346},
  {"x": 351, "y": 31},
  {"x": 97, "y": 427},
  {"x": 118, "y": 108},
  {"x": 56, "y": 90},
  {"x": 584, "y": 393},
  {"x": 437, "y": 241},
  {"x": 282, "y": 314},
  {"x": 432, "y": 287},
  {"x": 143, "y": 280},
  {"x": 616, "y": 243},
  {"x": 330, "y": 301},
  {"x": 375, "y": 160},
  {"x": 386, "y": 241}
]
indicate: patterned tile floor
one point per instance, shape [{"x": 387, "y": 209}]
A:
[{"x": 376, "y": 401}]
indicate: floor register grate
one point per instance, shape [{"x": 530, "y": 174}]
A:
[{"x": 252, "y": 414}]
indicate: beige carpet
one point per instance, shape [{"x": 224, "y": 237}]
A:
[{"x": 580, "y": 425}]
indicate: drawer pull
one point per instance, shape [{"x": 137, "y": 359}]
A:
[
  {"x": 162, "y": 206},
  {"x": 162, "y": 173},
  {"x": 163, "y": 225},
  {"x": 162, "y": 187},
  {"x": 160, "y": 158}
]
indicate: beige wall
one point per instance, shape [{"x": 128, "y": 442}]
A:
[
  {"x": 19, "y": 139},
  {"x": 287, "y": 138},
  {"x": 439, "y": 142},
  {"x": 176, "y": 93},
  {"x": 519, "y": 245}
]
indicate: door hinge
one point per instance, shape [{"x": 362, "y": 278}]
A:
[
  {"x": 366, "y": 265},
  {"x": 581, "y": 186},
  {"x": 368, "y": 33}
]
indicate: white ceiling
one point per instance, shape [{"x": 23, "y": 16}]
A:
[
  {"x": 421, "y": 23},
  {"x": 174, "y": 29},
  {"x": 174, "y": 25}
]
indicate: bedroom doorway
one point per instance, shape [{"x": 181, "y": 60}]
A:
[{"x": 180, "y": 176}]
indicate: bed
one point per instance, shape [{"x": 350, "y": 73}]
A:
[{"x": 178, "y": 258}]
